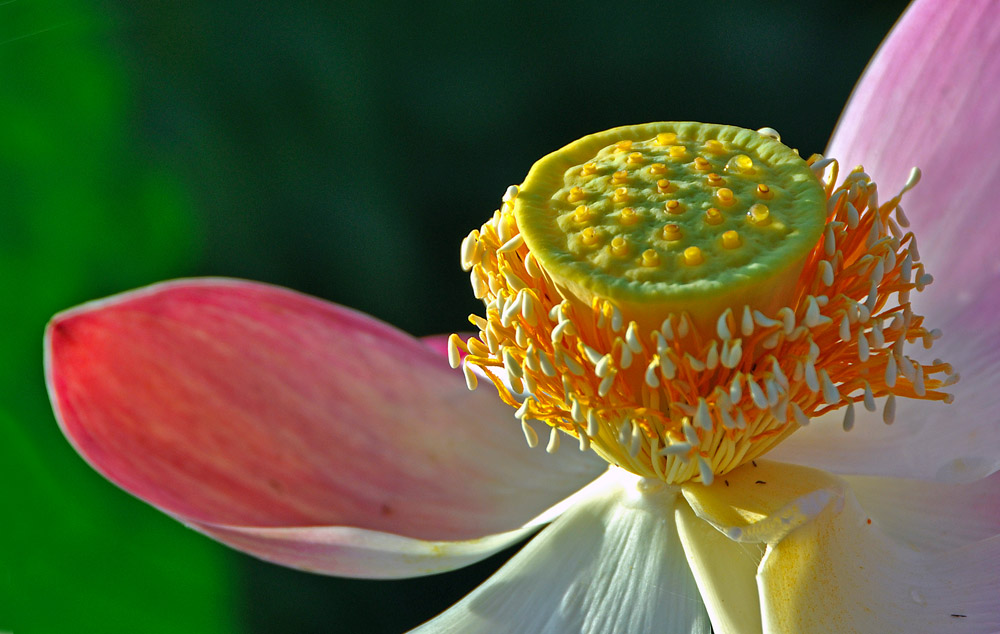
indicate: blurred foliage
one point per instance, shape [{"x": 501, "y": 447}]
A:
[
  {"x": 342, "y": 149},
  {"x": 86, "y": 212}
]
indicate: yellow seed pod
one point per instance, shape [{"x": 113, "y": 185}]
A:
[
  {"x": 759, "y": 214},
  {"x": 645, "y": 293},
  {"x": 693, "y": 256},
  {"x": 731, "y": 239},
  {"x": 671, "y": 232},
  {"x": 714, "y": 146},
  {"x": 741, "y": 163},
  {"x": 666, "y": 138},
  {"x": 713, "y": 216}
]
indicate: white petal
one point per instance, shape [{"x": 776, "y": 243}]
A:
[
  {"x": 931, "y": 516},
  {"x": 613, "y": 563},
  {"x": 725, "y": 572},
  {"x": 828, "y": 569}
]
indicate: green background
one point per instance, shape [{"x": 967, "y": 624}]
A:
[{"x": 342, "y": 149}]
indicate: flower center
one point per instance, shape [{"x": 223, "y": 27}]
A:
[
  {"x": 679, "y": 297},
  {"x": 694, "y": 218}
]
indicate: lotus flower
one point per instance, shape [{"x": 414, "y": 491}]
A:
[{"x": 316, "y": 437}]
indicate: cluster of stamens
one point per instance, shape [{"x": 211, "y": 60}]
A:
[{"x": 685, "y": 400}]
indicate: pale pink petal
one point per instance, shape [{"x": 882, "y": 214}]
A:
[
  {"x": 931, "y": 516},
  {"x": 931, "y": 98},
  {"x": 356, "y": 552},
  {"x": 225, "y": 402}
]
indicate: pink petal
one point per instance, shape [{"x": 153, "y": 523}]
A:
[
  {"x": 438, "y": 343},
  {"x": 931, "y": 98},
  {"x": 229, "y": 403}
]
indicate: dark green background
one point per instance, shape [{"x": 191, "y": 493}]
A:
[{"x": 339, "y": 149}]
